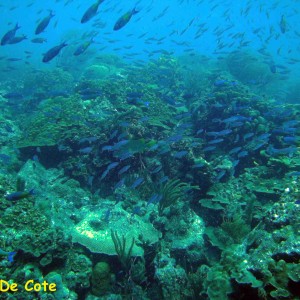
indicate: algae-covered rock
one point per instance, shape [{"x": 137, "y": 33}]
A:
[
  {"x": 172, "y": 278},
  {"x": 217, "y": 284},
  {"x": 101, "y": 279},
  {"x": 62, "y": 292},
  {"x": 186, "y": 235},
  {"x": 95, "y": 233},
  {"x": 99, "y": 72},
  {"x": 77, "y": 271},
  {"x": 57, "y": 118}
]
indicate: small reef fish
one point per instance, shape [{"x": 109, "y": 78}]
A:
[
  {"x": 17, "y": 39},
  {"x": 137, "y": 182},
  {"x": 19, "y": 195},
  {"x": 50, "y": 54},
  {"x": 82, "y": 48},
  {"x": 10, "y": 255},
  {"x": 39, "y": 40},
  {"x": 124, "y": 169},
  {"x": 86, "y": 150},
  {"x": 282, "y": 24},
  {"x": 180, "y": 154},
  {"x": 12, "y": 95},
  {"x": 124, "y": 19},
  {"x": 8, "y": 36},
  {"x": 44, "y": 23},
  {"x": 91, "y": 12}
]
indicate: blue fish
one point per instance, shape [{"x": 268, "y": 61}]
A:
[
  {"x": 183, "y": 115},
  {"x": 86, "y": 150},
  {"x": 122, "y": 135},
  {"x": 107, "y": 215},
  {"x": 136, "y": 211},
  {"x": 163, "y": 179},
  {"x": 290, "y": 123},
  {"x": 285, "y": 130},
  {"x": 199, "y": 165},
  {"x": 104, "y": 174},
  {"x": 242, "y": 153},
  {"x": 5, "y": 158},
  {"x": 283, "y": 24},
  {"x": 209, "y": 148},
  {"x": 124, "y": 155},
  {"x": 235, "y": 124},
  {"x": 236, "y": 119},
  {"x": 263, "y": 136},
  {"x": 19, "y": 195},
  {"x": 258, "y": 145},
  {"x": 180, "y": 154},
  {"x": 235, "y": 150},
  {"x": 113, "y": 134},
  {"x": 124, "y": 124},
  {"x": 216, "y": 141},
  {"x": 91, "y": 12},
  {"x": 124, "y": 169},
  {"x": 107, "y": 148},
  {"x": 291, "y": 139},
  {"x": 83, "y": 47},
  {"x": 51, "y": 53},
  {"x": 248, "y": 135},
  {"x": 283, "y": 151},
  {"x": 175, "y": 138},
  {"x": 220, "y": 82},
  {"x": 124, "y": 19},
  {"x": 156, "y": 170},
  {"x": 120, "y": 183},
  {"x": 219, "y": 133},
  {"x": 118, "y": 145},
  {"x": 220, "y": 175},
  {"x": 273, "y": 68},
  {"x": 13, "y": 95},
  {"x": 17, "y": 39},
  {"x": 295, "y": 173},
  {"x": 237, "y": 138},
  {"x": 88, "y": 139},
  {"x": 144, "y": 119},
  {"x": 9, "y": 35},
  {"x": 90, "y": 180},
  {"x": 199, "y": 131},
  {"x": 155, "y": 198},
  {"x": 137, "y": 182},
  {"x": 44, "y": 23},
  {"x": 112, "y": 165},
  {"x": 10, "y": 255}
]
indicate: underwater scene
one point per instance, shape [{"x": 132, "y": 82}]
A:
[{"x": 149, "y": 150}]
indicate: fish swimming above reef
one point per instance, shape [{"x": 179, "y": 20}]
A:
[
  {"x": 91, "y": 12},
  {"x": 12, "y": 95},
  {"x": 19, "y": 195},
  {"x": 50, "y": 54},
  {"x": 44, "y": 23},
  {"x": 8, "y": 36},
  {"x": 124, "y": 19},
  {"x": 17, "y": 39},
  {"x": 39, "y": 40},
  {"x": 83, "y": 47},
  {"x": 282, "y": 24}
]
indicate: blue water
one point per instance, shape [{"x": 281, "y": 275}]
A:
[
  {"x": 162, "y": 162},
  {"x": 244, "y": 17}
]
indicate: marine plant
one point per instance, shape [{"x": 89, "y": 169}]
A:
[
  {"x": 120, "y": 246},
  {"x": 171, "y": 192}
]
